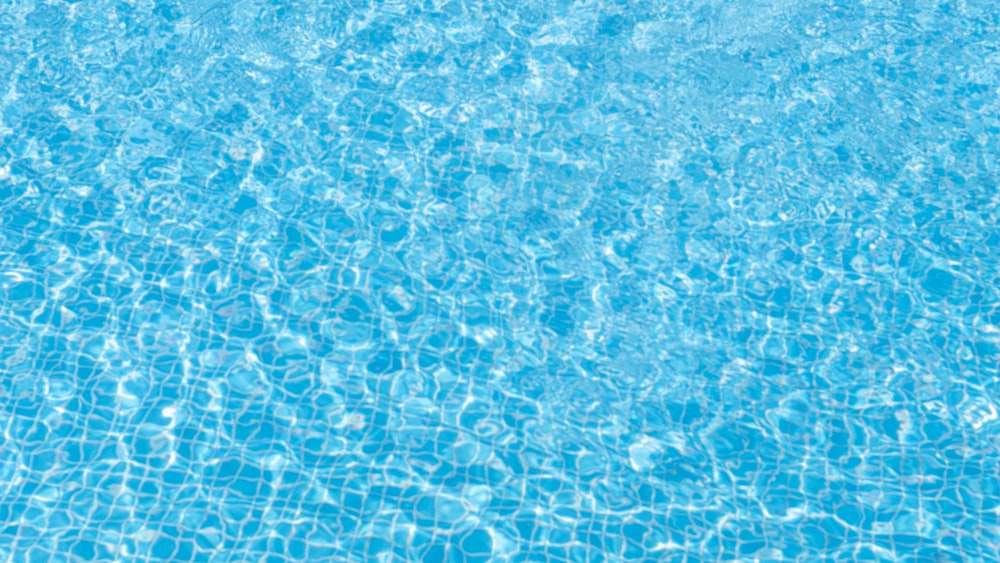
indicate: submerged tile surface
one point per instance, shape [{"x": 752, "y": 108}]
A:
[{"x": 499, "y": 281}]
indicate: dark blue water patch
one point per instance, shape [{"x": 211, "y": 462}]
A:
[
  {"x": 168, "y": 11},
  {"x": 244, "y": 203},
  {"x": 23, "y": 291},
  {"x": 937, "y": 283}
]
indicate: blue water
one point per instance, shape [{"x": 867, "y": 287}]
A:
[{"x": 477, "y": 281}]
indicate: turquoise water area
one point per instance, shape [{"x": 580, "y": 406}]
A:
[{"x": 468, "y": 281}]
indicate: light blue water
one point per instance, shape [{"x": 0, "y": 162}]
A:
[{"x": 480, "y": 281}]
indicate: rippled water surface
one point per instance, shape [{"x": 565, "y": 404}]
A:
[{"x": 472, "y": 281}]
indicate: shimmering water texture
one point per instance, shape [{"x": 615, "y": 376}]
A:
[{"x": 469, "y": 281}]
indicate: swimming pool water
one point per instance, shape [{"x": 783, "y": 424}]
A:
[{"x": 466, "y": 281}]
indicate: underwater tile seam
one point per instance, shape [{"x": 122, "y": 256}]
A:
[{"x": 464, "y": 281}]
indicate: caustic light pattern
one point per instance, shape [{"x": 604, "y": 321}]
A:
[{"x": 468, "y": 281}]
